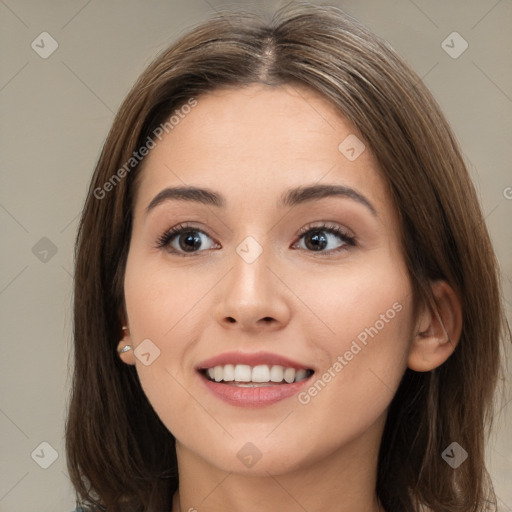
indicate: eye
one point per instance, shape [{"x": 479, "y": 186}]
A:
[
  {"x": 317, "y": 238},
  {"x": 182, "y": 239},
  {"x": 186, "y": 240}
]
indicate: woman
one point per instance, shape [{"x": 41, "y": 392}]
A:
[{"x": 285, "y": 293}]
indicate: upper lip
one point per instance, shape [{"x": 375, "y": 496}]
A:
[{"x": 251, "y": 359}]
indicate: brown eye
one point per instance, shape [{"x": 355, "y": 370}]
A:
[
  {"x": 318, "y": 238},
  {"x": 182, "y": 239}
]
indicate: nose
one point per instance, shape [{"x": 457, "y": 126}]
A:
[{"x": 253, "y": 296}]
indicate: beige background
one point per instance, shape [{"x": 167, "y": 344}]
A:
[{"x": 55, "y": 114}]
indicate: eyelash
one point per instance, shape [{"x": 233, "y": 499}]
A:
[{"x": 166, "y": 238}]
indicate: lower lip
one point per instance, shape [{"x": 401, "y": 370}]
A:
[{"x": 254, "y": 397}]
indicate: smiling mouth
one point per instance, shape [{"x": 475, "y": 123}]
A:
[{"x": 243, "y": 375}]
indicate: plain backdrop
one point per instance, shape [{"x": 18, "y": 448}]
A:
[{"x": 55, "y": 114}]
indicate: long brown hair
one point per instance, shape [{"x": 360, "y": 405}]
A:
[{"x": 120, "y": 455}]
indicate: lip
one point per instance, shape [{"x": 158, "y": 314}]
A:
[
  {"x": 251, "y": 359},
  {"x": 252, "y": 396}
]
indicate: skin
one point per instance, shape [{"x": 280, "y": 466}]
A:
[{"x": 252, "y": 144}]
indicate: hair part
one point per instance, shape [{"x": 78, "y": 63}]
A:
[{"x": 113, "y": 462}]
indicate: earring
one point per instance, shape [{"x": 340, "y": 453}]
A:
[{"x": 126, "y": 347}]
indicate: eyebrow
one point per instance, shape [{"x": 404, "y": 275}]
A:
[{"x": 289, "y": 198}]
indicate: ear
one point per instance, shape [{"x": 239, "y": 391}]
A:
[
  {"x": 438, "y": 330},
  {"x": 127, "y": 357}
]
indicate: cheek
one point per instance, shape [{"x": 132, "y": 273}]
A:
[
  {"x": 375, "y": 311},
  {"x": 358, "y": 302},
  {"x": 364, "y": 359},
  {"x": 166, "y": 307},
  {"x": 161, "y": 301}
]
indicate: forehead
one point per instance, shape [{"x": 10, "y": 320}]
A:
[{"x": 253, "y": 142}]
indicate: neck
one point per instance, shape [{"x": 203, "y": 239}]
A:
[{"x": 342, "y": 481}]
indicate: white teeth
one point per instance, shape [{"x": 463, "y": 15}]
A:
[
  {"x": 242, "y": 373},
  {"x": 276, "y": 373},
  {"x": 258, "y": 374},
  {"x": 218, "y": 373},
  {"x": 289, "y": 375},
  {"x": 300, "y": 375},
  {"x": 229, "y": 373}
]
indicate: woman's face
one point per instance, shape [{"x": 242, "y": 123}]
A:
[{"x": 264, "y": 278}]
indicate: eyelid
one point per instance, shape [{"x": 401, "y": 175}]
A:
[{"x": 327, "y": 225}]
